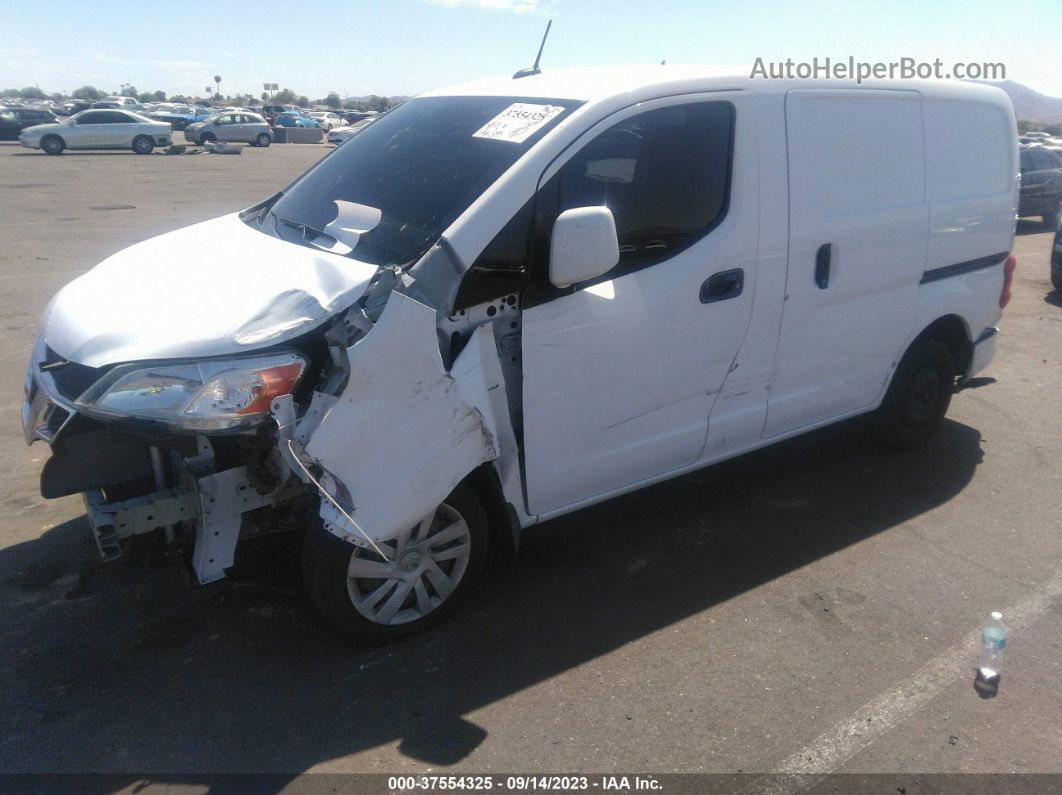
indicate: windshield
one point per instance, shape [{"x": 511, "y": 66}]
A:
[{"x": 421, "y": 165}]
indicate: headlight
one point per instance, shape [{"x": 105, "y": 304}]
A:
[{"x": 208, "y": 395}]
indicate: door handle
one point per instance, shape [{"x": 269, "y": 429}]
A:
[
  {"x": 723, "y": 286},
  {"x": 822, "y": 265}
]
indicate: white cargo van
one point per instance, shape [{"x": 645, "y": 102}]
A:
[{"x": 508, "y": 300}]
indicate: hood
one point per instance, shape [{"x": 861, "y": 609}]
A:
[{"x": 216, "y": 288}]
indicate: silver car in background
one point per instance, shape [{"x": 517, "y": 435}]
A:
[
  {"x": 99, "y": 129},
  {"x": 236, "y": 127}
]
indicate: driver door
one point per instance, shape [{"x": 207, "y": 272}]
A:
[{"x": 620, "y": 373}]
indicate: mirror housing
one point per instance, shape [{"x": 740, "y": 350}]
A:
[{"x": 583, "y": 246}]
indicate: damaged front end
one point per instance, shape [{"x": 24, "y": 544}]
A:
[
  {"x": 359, "y": 422},
  {"x": 183, "y": 449},
  {"x": 310, "y": 366}
]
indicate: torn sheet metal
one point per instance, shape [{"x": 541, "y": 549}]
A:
[{"x": 404, "y": 432}]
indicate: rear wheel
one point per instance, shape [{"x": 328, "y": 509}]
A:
[
  {"x": 918, "y": 397},
  {"x": 53, "y": 145},
  {"x": 1052, "y": 219},
  {"x": 263, "y": 140},
  {"x": 143, "y": 145},
  {"x": 429, "y": 570}
]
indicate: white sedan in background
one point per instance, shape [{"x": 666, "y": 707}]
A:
[
  {"x": 99, "y": 129},
  {"x": 338, "y": 135},
  {"x": 328, "y": 121}
]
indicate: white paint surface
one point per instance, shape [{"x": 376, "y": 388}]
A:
[{"x": 195, "y": 291}]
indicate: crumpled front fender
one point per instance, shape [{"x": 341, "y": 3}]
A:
[{"x": 404, "y": 432}]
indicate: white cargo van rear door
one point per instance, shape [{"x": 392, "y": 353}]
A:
[{"x": 857, "y": 249}]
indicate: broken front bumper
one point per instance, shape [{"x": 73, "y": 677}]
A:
[{"x": 212, "y": 504}]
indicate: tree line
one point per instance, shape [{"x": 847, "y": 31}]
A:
[{"x": 283, "y": 97}]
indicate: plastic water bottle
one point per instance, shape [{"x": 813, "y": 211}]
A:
[{"x": 993, "y": 645}]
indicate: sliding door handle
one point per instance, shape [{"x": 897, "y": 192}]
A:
[{"x": 822, "y": 265}]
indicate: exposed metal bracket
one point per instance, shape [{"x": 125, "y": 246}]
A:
[
  {"x": 113, "y": 521},
  {"x": 223, "y": 498}
]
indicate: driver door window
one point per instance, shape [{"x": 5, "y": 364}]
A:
[{"x": 663, "y": 174}]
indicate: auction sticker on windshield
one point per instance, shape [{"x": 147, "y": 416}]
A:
[{"x": 518, "y": 122}]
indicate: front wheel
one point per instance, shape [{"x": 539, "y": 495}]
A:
[
  {"x": 206, "y": 138},
  {"x": 918, "y": 397},
  {"x": 53, "y": 145},
  {"x": 143, "y": 145},
  {"x": 263, "y": 140},
  {"x": 429, "y": 570}
]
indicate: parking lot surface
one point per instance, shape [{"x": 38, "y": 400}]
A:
[{"x": 810, "y": 607}]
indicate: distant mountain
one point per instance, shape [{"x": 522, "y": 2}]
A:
[{"x": 1032, "y": 105}]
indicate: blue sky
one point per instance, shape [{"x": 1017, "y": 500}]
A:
[{"x": 359, "y": 47}]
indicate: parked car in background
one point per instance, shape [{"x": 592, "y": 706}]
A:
[
  {"x": 351, "y": 116},
  {"x": 327, "y": 121},
  {"x": 294, "y": 119},
  {"x": 125, "y": 103},
  {"x": 181, "y": 116},
  {"x": 14, "y": 120},
  {"x": 99, "y": 129},
  {"x": 270, "y": 112},
  {"x": 70, "y": 107},
  {"x": 240, "y": 127},
  {"x": 1041, "y": 184},
  {"x": 338, "y": 135}
]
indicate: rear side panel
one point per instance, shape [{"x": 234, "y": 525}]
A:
[
  {"x": 857, "y": 250},
  {"x": 972, "y": 188}
]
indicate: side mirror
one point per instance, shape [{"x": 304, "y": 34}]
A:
[{"x": 584, "y": 245}]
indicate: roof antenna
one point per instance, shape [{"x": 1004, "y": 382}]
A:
[{"x": 534, "y": 70}]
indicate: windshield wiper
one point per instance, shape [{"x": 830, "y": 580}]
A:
[
  {"x": 309, "y": 233},
  {"x": 257, "y": 212}
]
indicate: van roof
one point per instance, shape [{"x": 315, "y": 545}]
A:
[{"x": 598, "y": 83}]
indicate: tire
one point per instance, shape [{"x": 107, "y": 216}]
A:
[
  {"x": 206, "y": 137},
  {"x": 263, "y": 140},
  {"x": 143, "y": 145},
  {"x": 1051, "y": 220},
  {"x": 53, "y": 144},
  {"x": 327, "y": 562},
  {"x": 1056, "y": 279},
  {"x": 918, "y": 397}
]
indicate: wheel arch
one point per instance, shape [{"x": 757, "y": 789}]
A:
[
  {"x": 953, "y": 332},
  {"x": 485, "y": 481}
]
